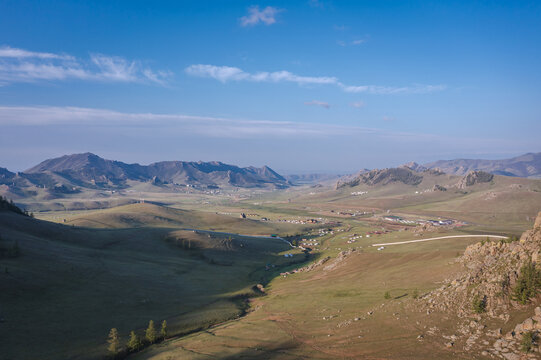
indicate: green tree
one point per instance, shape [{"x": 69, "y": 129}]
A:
[
  {"x": 114, "y": 342},
  {"x": 528, "y": 283},
  {"x": 150, "y": 332},
  {"x": 133, "y": 343},
  {"x": 479, "y": 304},
  {"x": 415, "y": 294},
  {"x": 387, "y": 295},
  {"x": 163, "y": 331}
]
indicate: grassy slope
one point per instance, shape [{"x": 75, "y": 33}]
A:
[
  {"x": 289, "y": 323},
  {"x": 71, "y": 284}
]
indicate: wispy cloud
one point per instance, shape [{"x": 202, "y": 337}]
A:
[
  {"x": 352, "y": 43},
  {"x": 200, "y": 125},
  {"x": 255, "y": 16},
  {"x": 318, "y": 103},
  {"x": 391, "y": 90},
  {"x": 228, "y": 73},
  {"x": 9, "y": 52},
  {"x": 19, "y": 65},
  {"x": 358, "y": 104}
]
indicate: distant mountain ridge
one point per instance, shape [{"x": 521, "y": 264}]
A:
[
  {"x": 527, "y": 165},
  {"x": 90, "y": 170}
]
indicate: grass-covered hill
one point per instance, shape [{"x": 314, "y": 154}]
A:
[{"x": 69, "y": 285}]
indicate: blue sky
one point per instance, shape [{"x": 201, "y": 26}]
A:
[{"x": 300, "y": 86}]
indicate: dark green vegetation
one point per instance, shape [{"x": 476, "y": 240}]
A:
[
  {"x": 479, "y": 304},
  {"x": 528, "y": 283},
  {"x": 529, "y": 340}
]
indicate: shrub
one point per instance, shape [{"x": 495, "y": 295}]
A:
[
  {"x": 479, "y": 304},
  {"x": 528, "y": 341},
  {"x": 387, "y": 295},
  {"x": 528, "y": 283},
  {"x": 415, "y": 294}
]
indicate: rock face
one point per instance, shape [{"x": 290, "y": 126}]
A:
[
  {"x": 490, "y": 272},
  {"x": 491, "y": 269},
  {"x": 384, "y": 177},
  {"x": 412, "y": 165},
  {"x": 439, "y": 188},
  {"x": 474, "y": 177}
]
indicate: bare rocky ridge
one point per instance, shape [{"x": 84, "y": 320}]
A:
[
  {"x": 384, "y": 177},
  {"x": 474, "y": 177}
]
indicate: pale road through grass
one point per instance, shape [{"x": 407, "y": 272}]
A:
[{"x": 439, "y": 238}]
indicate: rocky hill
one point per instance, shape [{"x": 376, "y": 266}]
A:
[
  {"x": 92, "y": 171},
  {"x": 527, "y": 165},
  {"x": 474, "y": 177},
  {"x": 383, "y": 177},
  {"x": 498, "y": 285}
]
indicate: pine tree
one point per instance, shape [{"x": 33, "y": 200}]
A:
[
  {"x": 114, "y": 342},
  {"x": 133, "y": 343},
  {"x": 163, "y": 331},
  {"x": 150, "y": 332}
]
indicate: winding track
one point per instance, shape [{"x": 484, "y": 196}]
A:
[{"x": 438, "y": 238}]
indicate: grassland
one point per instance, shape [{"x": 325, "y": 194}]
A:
[{"x": 84, "y": 270}]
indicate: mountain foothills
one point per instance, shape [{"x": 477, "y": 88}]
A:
[
  {"x": 66, "y": 173},
  {"x": 527, "y": 165}
]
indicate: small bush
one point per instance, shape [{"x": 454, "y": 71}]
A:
[
  {"x": 387, "y": 295},
  {"x": 528, "y": 283},
  {"x": 479, "y": 304},
  {"x": 415, "y": 294},
  {"x": 528, "y": 341}
]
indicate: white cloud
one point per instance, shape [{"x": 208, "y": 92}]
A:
[
  {"x": 255, "y": 16},
  {"x": 391, "y": 90},
  {"x": 19, "y": 65},
  {"x": 9, "y": 52},
  {"x": 318, "y": 103},
  {"x": 358, "y": 104},
  {"x": 228, "y": 73},
  {"x": 358, "y": 42}
]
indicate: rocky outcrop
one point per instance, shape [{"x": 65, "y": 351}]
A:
[
  {"x": 375, "y": 177},
  {"x": 439, "y": 188},
  {"x": 490, "y": 272},
  {"x": 491, "y": 269},
  {"x": 474, "y": 177}
]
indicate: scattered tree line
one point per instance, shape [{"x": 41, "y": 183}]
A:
[
  {"x": 135, "y": 343},
  {"x": 9, "y": 205}
]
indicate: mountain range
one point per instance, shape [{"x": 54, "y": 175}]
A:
[
  {"x": 527, "y": 165},
  {"x": 91, "y": 171}
]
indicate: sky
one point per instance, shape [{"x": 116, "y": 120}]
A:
[{"x": 300, "y": 86}]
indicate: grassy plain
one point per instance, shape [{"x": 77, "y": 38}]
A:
[{"x": 85, "y": 270}]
